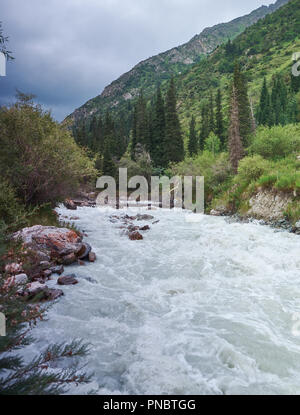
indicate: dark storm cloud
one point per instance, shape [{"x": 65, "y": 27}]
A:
[{"x": 67, "y": 51}]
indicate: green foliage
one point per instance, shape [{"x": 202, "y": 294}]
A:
[
  {"x": 173, "y": 146},
  {"x": 159, "y": 129},
  {"x": 212, "y": 144},
  {"x": 276, "y": 142},
  {"x": 38, "y": 157},
  {"x": 141, "y": 166},
  {"x": 215, "y": 168},
  {"x": 193, "y": 142},
  {"x": 11, "y": 210},
  {"x": 251, "y": 168}
]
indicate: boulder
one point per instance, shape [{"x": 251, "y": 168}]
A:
[
  {"x": 67, "y": 280},
  {"x": 44, "y": 293},
  {"x": 135, "y": 236},
  {"x": 34, "y": 288},
  {"x": 69, "y": 259},
  {"x": 57, "y": 270},
  {"x": 69, "y": 204},
  {"x": 54, "y": 242},
  {"x": 144, "y": 217},
  {"x": 145, "y": 228},
  {"x": 16, "y": 280},
  {"x": 92, "y": 257},
  {"x": 45, "y": 265},
  {"x": 13, "y": 268},
  {"x": 85, "y": 250},
  {"x": 51, "y": 294},
  {"x": 133, "y": 228},
  {"x": 47, "y": 274}
]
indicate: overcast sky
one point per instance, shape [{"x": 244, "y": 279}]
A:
[{"x": 67, "y": 51}]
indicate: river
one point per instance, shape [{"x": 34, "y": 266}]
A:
[{"x": 210, "y": 307}]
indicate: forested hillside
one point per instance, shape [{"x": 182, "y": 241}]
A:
[
  {"x": 240, "y": 101},
  {"x": 119, "y": 96}
]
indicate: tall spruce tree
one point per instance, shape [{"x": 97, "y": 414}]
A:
[
  {"x": 264, "y": 115},
  {"x": 142, "y": 129},
  {"x": 193, "y": 142},
  {"x": 220, "y": 130},
  {"x": 134, "y": 133},
  {"x": 159, "y": 130},
  {"x": 244, "y": 110},
  {"x": 211, "y": 113},
  {"x": 236, "y": 151},
  {"x": 204, "y": 132},
  {"x": 174, "y": 147}
]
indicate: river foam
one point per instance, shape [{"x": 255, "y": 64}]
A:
[{"x": 194, "y": 308}]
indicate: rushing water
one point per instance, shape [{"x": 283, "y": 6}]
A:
[{"x": 194, "y": 308}]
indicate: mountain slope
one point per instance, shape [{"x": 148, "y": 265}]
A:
[
  {"x": 147, "y": 74},
  {"x": 264, "y": 49}
]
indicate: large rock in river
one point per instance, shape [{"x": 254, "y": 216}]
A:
[{"x": 57, "y": 243}]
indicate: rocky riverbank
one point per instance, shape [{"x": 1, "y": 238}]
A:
[
  {"x": 267, "y": 207},
  {"x": 43, "y": 255}
]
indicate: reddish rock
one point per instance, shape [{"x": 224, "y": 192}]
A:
[
  {"x": 54, "y": 242},
  {"x": 85, "y": 250},
  {"x": 145, "y": 228},
  {"x": 67, "y": 280},
  {"x": 135, "y": 236},
  {"x": 69, "y": 259},
  {"x": 69, "y": 204},
  {"x": 92, "y": 257},
  {"x": 80, "y": 262}
]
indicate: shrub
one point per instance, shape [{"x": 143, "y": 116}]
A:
[
  {"x": 276, "y": 142},
  {"x": 38, "y": 157},
  {"x": 216, "y": 170},
  {"x": 11, "y": 210},
  {"x": 251, "y": 169}
]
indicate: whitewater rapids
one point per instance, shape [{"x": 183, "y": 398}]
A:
[{"x": 195, "y": 308}]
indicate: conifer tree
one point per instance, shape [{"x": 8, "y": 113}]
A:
[
  {"x": 174, "y": 148},
  {"x": 204, "y": 132},
  {"x": 264, "y": 116},
  {"x": 108, "y": 166},
  {"x": 211, "y": 114},
  {"x": 193, "y": 142},
  {"x": 244, "y": 110},
  {"x": 134, "y": 133},
  {"x": 220, "y": 131},
  {"x": 159, "y": 130},
  {"x": 235, "y": 141},
  {"x": 279, "y": 100},
  {"x": 142, "y": 122}
]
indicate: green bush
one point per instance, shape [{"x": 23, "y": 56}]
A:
[
  {"x": 251, "y": 168},
  {"x": 38, "y": 157},
  {"x": 215, "y": 168},
  {"x": 11, "y": 210},
  {"x": 276, "y": 142}
]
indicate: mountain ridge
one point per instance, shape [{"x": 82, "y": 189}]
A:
[{"x": 159, "y": 68}]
